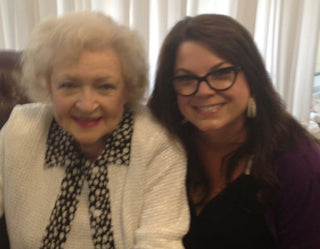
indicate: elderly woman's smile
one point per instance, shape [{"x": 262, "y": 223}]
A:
[
  {"x": 89, "y": 95},
  {"x": 87, "y": 122}
]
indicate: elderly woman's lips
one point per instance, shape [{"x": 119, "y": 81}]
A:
[{"x": 87, "y": 122}]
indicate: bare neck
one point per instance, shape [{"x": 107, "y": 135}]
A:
[
  {"x": 221, "y": 142},
  {"x": 212, "y": 148}
]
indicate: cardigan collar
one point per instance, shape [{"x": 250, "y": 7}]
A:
[{"x": 62, "y": 149}]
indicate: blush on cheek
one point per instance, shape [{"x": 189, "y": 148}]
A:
[
  {"x": 59, "y": 117},
  {"x": 59, "y": 120},
  {"x": 182, "y": 105}
]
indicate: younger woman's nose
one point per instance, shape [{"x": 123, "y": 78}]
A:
[{"x": 204, "y": 89}]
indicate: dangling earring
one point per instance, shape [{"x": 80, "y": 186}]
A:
[{"x": 251, "y": 108}]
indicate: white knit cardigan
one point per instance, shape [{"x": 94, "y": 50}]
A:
[{"x": 148, "y": 200}]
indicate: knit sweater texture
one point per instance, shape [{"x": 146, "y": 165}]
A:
[{"x": 149, "y": 206}]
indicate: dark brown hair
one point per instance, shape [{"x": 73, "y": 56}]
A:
[
  {"x": 10, "y": 93},
  {"x": 271, "y": 132}
]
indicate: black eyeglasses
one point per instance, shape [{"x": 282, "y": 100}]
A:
[{"x": 219, "y": 80}]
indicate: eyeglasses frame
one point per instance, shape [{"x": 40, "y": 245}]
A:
[{"x": 236, "y": 69}]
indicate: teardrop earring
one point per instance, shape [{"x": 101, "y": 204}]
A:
[{"x": 251, "y": 108}]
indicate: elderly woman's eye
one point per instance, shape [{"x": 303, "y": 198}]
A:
[
  {"x": 68, "y": 85},
  {"x": 106, "y": 86}
]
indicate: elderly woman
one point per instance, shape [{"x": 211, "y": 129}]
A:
[
  {"x": 88, "y": 167},
  {"x": 253, "y": 171}
]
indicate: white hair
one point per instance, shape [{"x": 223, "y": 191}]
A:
[{"x": 76, "y": 32}]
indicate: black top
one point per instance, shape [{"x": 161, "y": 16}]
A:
[
  {"x": 232, "y": 220},
  {"x": 4, "y": 240}
]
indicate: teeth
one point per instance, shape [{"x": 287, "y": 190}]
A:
[
  {"x": 88, "y": 119},
  {"x": 209, "y": 108}
]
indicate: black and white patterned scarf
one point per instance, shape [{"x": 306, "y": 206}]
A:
[{"x": 63, "y": 151}]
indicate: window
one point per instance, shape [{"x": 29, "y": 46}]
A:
[{"x": 315, "y": 109}]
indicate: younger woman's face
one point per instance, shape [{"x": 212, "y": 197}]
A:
[{"x": 209, "y": 110}]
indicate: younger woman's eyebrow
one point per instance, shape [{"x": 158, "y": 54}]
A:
[
  {"x": 217, "y": 66},
  {"x": 184, "y": 70}
]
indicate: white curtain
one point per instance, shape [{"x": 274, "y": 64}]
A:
[{"x": 286, "y": 32}]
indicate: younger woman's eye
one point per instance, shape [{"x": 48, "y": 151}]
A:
[{"x": 184, "y": 78}]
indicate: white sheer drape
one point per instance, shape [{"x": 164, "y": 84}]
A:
[
  {"x": 286, "y": 33},
  {"x": 284, "y": 30}
]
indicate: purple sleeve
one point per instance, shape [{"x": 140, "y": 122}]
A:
[{"x": 295, "y": 217}]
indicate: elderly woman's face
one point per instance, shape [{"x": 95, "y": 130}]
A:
[{"x": 88, "y": 96}]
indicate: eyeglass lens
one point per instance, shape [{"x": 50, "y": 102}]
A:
[{"x": 220, "y": 80}]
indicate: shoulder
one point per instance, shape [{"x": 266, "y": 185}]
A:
[
  {"x": 28, "y": 117},
  {"x": 151, "y": 142},
  {"x": 297, "y": 202},
  {"x": 298, "y": 172},
  {"x": 145, "y": 120},
  {"x": 32, "y": 108},
  {"x": 149, "y": 131},
  {"x": 302, "y": 162},
  {"x": 30, "y": 111}
]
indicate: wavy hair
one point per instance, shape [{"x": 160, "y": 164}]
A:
[
  {"x": 273, "y": 131},
  {"x": 76, "y": 32}
]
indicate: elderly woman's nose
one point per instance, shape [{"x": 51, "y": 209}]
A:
[{"x": 87, "y": 101}]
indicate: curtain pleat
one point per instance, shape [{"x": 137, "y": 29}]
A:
[
  {"x": 306, "y": 58},
  {"x": 2, "y": 41}
]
